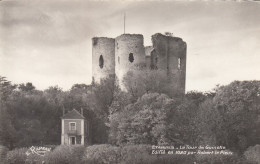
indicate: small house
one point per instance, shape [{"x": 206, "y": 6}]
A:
[{"x": 72, "y": 128}]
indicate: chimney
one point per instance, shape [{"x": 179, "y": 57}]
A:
[{"x": 81, "y": 111}]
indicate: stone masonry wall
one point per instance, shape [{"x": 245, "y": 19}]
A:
[
  {"x": 148, "y": 50},
  {"x": 170, "y": 55},
  {"x": 104, "y": 47},
  {"x": 129, "y": 54}
]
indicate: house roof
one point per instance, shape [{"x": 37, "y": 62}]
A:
[{"x": 74, "y": 114}]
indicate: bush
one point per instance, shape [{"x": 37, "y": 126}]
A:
[
  {"x": 142, "y": 154},
  {"x": 3, "y": 153},
  {"x": 223, "y": 159},
  {"x": 51, "y": 146},
  {"x": 65, "y": 154},
  {"x": 105, "y": 154},
  {"x": 252, "y": 154},
  {"x": 175, "y": 159},
  {"x": 129, "y": 154},
  {"x": 16, "y": 156},
  {"x": 34, "y": 158},
  {"x": 137, "y": 154}
]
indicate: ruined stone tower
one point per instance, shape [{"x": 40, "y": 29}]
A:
[
  {"x": 127, "y": 52},
  {"x": 169, "y": 54},
  {"x": 103, "y": 58}
]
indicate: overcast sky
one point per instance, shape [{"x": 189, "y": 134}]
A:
[{"x": 49, "y": 43}]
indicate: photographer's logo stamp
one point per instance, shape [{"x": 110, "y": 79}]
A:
[{"x": 41, "y": 151}]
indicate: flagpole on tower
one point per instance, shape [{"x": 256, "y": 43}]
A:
[{"x": 124, "y": 22}]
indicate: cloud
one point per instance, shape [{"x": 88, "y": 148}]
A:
[
  {"x": 32, "y": 25},
  {"x": 52, "y": 39}
]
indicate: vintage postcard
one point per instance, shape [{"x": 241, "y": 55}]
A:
[{"x": 129, "y": 81}]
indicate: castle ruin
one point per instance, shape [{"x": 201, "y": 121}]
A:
[{"x": 116, "y": 56}]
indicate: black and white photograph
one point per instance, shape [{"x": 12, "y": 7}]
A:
[{"x": 129, "y": 82}]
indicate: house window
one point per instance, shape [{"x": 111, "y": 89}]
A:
[
  {"x": 131, "y": 57},
  {"x": 72, "y": 125},
  {"x": 101, "y": 62},
  {"x": 179, "y": 63}
]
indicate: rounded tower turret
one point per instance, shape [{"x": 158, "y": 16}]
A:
[
  {"x": 103, "y": 58},
  {"x": 129, "y": 54}
]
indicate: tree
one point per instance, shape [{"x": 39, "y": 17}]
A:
[
  {"x": 28, "y": 116},
  {"x": 99, "y": 98},
  {"x": 81, "y": 86},
  {"x": 26, "y": 87},
  {"x": 232, "y": 116},
  {"x": 142, "y": 122},
  {"x": 32, "y": 117},
  {"x": 7, "y": 132},
  {"x": 144, "y": 81}
]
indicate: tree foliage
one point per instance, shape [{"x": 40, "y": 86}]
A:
[
  {"x": 146, "y": 114},
  {"x": 142, "y": 122},
  {"x": 231, "y": 118},
  {"x": 32, "y": 117},
  {"x": 7, "y": 131},
  {"x": 144, "y": 81}
]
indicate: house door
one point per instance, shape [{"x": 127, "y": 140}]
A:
[{"x": 72, "y": 140}]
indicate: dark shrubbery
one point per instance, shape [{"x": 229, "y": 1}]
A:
[
  {"x": 102, "y": 154},
  {"x": 65, "y": 155},
  {"x": 16, "y": 156},
  {"x": 142, "y": 154},
  {"x": 3, "y": 153},
  {"x": 127, "y": 154},
  {"x": 217, "y": 159},
  {"x": 252, "y": 154},
  {"x": 137, "y": 154},
  {"x": 146, "y": 114}
]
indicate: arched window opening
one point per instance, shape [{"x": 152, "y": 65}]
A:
[
  {"x": 179, "y": 63},
  {"x": 131, "y": 57},
  {"x": 101, "y": 62}
]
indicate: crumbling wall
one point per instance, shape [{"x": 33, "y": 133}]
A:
[
  {"x": 148, "y": 50},
  {"x": 169, "y": 54},
  {"x": 103, "y": 58},
  {"x": 129, "y": 54},
  {"x": 177, "y": 63}
]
